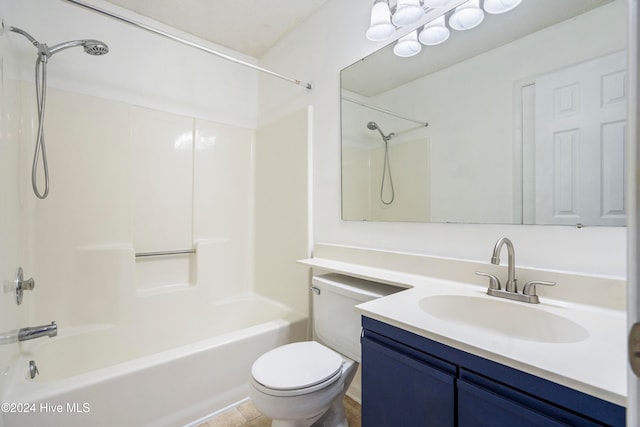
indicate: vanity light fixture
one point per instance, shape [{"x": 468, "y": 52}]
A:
[{"x": 388, "y": 17}]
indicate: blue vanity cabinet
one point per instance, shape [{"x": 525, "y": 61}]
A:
[{"x": 409, "y": 380}]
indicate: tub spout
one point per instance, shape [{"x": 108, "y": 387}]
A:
[{"x": 30, "y": 333}]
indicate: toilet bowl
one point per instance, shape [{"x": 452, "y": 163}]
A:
[
  {"x": 304, "y": 383},
  {"x": 297, "y": 384}
]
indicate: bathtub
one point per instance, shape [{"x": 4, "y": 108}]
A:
[{"x": 169, "y": 372}]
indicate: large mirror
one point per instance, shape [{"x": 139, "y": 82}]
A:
[{"x": 518, "y": 121}]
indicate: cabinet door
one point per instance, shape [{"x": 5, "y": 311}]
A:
[
  {"x": 399, "y": 389},
  {"x": 478, "y": 407}
]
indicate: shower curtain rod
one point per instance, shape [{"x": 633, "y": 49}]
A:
[
  {"x": 186, "y": 42},
  {"x": 382, "y": 110}
]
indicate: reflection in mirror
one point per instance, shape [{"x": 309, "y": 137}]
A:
[{"x": 520, "y": 120}]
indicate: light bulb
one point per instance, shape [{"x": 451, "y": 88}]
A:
[
  {"x": 381, "y": 27},
  {"x": 500, "y": 6},
  {"x": 407, "y": 12},
  {"x": 467, "y": 16},
  {"x": 435, "y": 32},
  {"x": 408, "y": 45}
]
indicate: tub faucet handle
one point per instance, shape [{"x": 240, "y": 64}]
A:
[{"x": 22, "y": 285}]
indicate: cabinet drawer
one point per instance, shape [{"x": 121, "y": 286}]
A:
[{"x": 478, "y": 407}]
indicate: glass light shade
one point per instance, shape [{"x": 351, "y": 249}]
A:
[
  {"x": 432, "y": 4},
  {"x": 408, "y": 45},
  {"x": 466, "y": 16},
  {"x": 500, "y": 6},
  {"x": 407, "y": 12},
  {"x": 435, "y": 32},
  {"x": 381, "y": 27}
]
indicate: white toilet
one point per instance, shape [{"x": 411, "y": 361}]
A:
[{"x": 303, "y": 384}]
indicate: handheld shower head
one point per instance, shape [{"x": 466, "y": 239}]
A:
[
  {"x": 372, "y": 125},
  {"x": 92, "y": 47},
  {"x": 95, "y": 47}
]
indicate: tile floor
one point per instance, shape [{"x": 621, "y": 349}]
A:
[{"x": 246, "y": 415}]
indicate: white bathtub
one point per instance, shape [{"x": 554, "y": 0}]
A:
[{"x": 165, "y": 372}]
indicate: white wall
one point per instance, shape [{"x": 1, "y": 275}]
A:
[
  {"x": 316, "y": 51},
  {"x": 282, "y": 209}
]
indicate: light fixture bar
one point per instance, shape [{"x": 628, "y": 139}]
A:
[
  {"x": 186, "y": 42},
  {"x": 382, "y": 110}
]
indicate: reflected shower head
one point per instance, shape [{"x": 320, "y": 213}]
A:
[{"x": 374, "y": 126}]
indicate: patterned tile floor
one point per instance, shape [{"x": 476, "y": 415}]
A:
[{"x": 246, "y": 415}]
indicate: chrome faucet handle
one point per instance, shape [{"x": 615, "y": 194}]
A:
[
  {"x": 494, "y": 282},
  {"x": 22, "y": 285}
]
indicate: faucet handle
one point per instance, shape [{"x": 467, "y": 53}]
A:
[
  {"x": 494, "y": 282},
  {"x": 530, "y": 287}
]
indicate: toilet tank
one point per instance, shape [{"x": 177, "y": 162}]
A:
[{"x": 335, "y": 320}]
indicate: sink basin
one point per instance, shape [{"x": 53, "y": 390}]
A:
[{"x": 515, "y": 320}]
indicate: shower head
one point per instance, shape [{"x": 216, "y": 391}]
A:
[
  {"x": 92, "y": 47},
  {"x": 374, "y": 126},
  {"x": 95, "y": 47}
]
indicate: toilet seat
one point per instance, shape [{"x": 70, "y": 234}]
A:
[{"x": 297, "y": 368}]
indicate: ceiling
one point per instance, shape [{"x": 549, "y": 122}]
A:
[{"x": 251, "y": 27}]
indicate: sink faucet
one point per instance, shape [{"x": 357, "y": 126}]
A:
[
  {"x": 511, "y": 288},
  {"x": 30, "y": 333},
  {"x": 511, "y": 285}
]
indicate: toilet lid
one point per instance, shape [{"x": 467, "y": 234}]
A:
[{"x": 295, "y": 366}]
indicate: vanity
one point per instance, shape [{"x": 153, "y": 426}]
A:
[{"x": 444, "y": 353}]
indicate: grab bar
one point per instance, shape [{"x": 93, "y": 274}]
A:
[{"x": 163, "y": 253}]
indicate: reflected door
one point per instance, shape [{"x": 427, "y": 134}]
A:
[{"x": 579, "y": 142}]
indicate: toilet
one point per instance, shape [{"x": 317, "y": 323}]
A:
[{"x": 303, "y": 384}]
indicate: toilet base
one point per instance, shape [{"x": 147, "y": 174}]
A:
[{"x": 335, "y": 416}]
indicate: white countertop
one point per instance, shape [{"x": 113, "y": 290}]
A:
[{"x": 595, "y": 365}]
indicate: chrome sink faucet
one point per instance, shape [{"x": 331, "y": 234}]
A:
[
  {"x": 511, "y": 288},
  {"x": 511, "y": 285}
]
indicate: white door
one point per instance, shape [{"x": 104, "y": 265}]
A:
[{"x": 579, "y": 143}]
